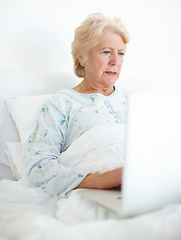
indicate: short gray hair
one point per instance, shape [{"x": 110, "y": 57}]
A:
[{"x": 87, "y": 33}]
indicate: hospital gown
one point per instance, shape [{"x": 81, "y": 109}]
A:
[{"x": 62, "y": 119}]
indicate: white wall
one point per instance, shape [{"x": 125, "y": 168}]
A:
[{"x": 37, "y": 35}]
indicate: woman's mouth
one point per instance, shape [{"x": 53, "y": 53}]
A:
[{"x": 111, "y": 73}]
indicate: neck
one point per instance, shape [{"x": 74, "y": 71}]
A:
[{"x": 85, "y": 88}]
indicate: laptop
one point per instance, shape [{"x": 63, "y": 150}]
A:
[{"x": 152, "y": 167}]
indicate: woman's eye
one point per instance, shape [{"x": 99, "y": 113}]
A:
[
  {"x": 121, "y": 53},
  {"x": 106, "y": 52}
]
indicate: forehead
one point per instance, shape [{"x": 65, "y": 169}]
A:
[{"x": 110, "y": 39}]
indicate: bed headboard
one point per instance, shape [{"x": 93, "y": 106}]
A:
[{"x": 15, "y": 83}]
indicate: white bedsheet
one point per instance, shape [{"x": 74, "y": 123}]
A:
[{"x": 29, "y": 213}]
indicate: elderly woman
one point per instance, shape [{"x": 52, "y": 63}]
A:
[{"x": 98, "y": 51}]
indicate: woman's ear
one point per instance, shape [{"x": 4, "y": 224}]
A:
[{"x": 81, "y": 60}]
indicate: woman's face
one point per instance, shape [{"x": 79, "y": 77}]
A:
[{"x": 103, "y": 63}]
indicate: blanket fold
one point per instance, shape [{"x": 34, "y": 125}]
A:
[{"x": 97, "y": 150}]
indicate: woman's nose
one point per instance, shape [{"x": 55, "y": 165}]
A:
[{"x": 114, "y": 59}]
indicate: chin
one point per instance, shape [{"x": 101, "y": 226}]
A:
[{"x": 111, "y": 82}]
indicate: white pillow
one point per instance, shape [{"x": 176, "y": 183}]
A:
[
  {"x": 24, "y": 111},
  {"x": 13, "y": 151}
]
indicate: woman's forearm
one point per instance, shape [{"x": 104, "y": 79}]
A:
[{"x": 105, "y": 180}]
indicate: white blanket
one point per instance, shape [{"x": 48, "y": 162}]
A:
[
  {"x": 99, "y": 149},
  {"x": 29, "y": 213}
]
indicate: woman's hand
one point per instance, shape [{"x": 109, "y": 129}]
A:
[{"x": 105, "y": 180}]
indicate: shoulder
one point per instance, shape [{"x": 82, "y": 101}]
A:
[
  {"x": 64, "y": 100},
  {"x": 54, "y": 104},
  {"x": 60, "y": 97},
  {"x": 121, "y": 96},
  {"x": 121, "y": 92}
]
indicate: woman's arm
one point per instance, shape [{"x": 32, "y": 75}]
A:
[
  {"x": 105, "y": 180},
  {"x": 42, "y": 152}
]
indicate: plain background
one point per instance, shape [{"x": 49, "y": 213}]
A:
[{"x": 36, "y": 35}]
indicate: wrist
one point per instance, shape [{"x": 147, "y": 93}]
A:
[{"x": 90, "y": 181}]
